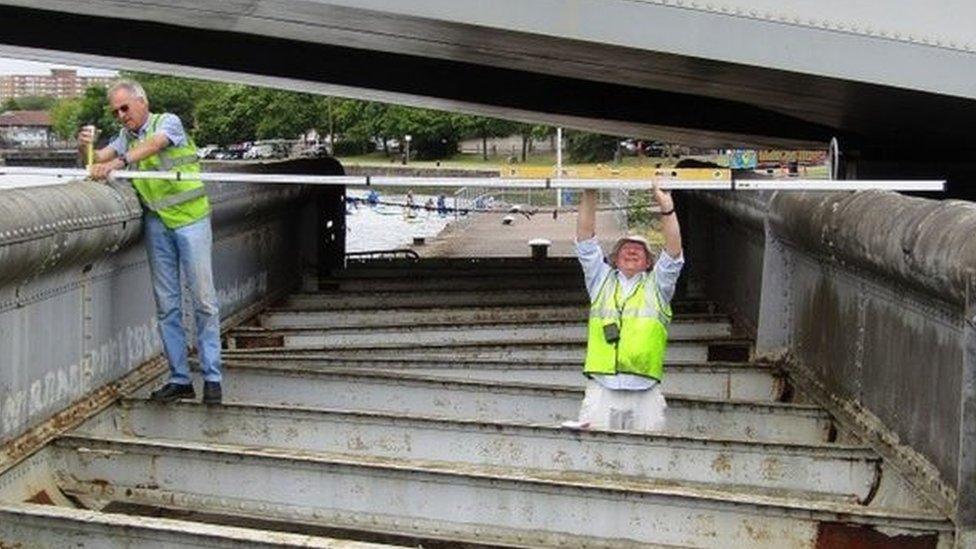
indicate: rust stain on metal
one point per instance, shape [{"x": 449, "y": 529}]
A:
[
  {"x": 722, "y": 464},
  {"x": 704, "y": 525},
  {"x": 562, "y": 458},
  {"x": 834, "y": 535},
  {"x": 757, "y": 531},
  {"x": 772, "y": 468},
  {"x": 41, "y": 498},
  {"x": 216, "y": 432},
  {"x": 356, "y": 443},
  {"x": 26, "y": 444}
]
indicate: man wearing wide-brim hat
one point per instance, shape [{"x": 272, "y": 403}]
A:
[{"x": 630, "y": 313}]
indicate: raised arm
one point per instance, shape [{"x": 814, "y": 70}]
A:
[
  {"x": 586, "y": 217},
  {"x": 669, "y": 222}
]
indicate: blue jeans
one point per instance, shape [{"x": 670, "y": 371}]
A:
[{"x": 187, "y": 250}]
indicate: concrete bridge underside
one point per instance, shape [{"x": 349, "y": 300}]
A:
[{"x": 892, "y": 85}]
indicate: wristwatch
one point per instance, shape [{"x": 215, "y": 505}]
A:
[{"x": 125, "y": 160}]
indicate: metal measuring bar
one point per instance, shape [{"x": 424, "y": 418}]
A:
[
  {"x": 836, "y": 185},
  {"x": 495, "y": 183}
]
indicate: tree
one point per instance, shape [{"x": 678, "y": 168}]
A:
[
  {"x": 234, "y": 113},
  {"x": 227, "y": 114},
  {"x": 434, "y": 134},
  {"x": 485, "y": 128},
  {"x": 357, "y": 123},
  {"x": 287, "y": 114},
  {"x": 29, "y": 103},
  {"x": 370, "y": 119},
  {"x": 172, "y": 94},
  {"x": 590, "y": 147},
  {"x": 93, "y": 109},
  {"x": 64, "y": 118},
  {"x": 528, "y": 132}
]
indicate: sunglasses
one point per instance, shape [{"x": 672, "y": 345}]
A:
[{"x": 121, "y": 110}]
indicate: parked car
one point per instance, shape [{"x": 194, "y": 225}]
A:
[
  {"x": 207, "y": 152},
  {"x": 261, "y": 152},
  {"x": 316, "y": 151},
  {"x": 233, "y": 152}
]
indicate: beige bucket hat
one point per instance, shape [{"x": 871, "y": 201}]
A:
[{"x": 631, "y": 238}]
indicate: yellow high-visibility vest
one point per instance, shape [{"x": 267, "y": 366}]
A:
[
  {"x": 642, "y": 321},
  {"x": 176, "y": 202}
]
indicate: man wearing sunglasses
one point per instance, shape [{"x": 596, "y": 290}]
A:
[{"x": 177, "y": 228}]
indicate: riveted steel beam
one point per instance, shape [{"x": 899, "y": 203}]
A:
[
  {"x": 568, "y": 281},
  {"x": 49, "y": 527},
  {"x": 738, "y": 381},
  {"x": 446, "y": 297},
  {"x": 454, "y": 501},
  {"x": 395, "y": 300},
  {"x": 680, "y": 351},
  {"x": 493, "y": 401},
  {"x": 842, "y": 473},
  {"x": 455, "y": 268},
  {"x": 421, "y": 335},
  {"x": 278, "y": 319}
]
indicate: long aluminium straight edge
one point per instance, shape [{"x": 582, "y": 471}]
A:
[{"x": 526, "y": 183}]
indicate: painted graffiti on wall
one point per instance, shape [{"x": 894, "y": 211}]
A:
[
  {"x": 128, "y": 347},
  {"x": 234, "y": 296}
]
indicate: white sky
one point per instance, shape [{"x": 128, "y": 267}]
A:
[{"x": 17, "y": 66}]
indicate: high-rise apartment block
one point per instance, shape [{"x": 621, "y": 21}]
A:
[{"x": 61, "y": 84}]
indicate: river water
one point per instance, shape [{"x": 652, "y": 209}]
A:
[{"x": 385, "y": 227}]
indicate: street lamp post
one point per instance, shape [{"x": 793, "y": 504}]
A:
[
  {"x": 559, "y": 165},
  {"x": 407, "y": 138}
]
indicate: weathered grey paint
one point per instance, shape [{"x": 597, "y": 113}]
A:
[
  {"x": 876, "y": 297},
  {"x": 458, "y": 501},
  {"x": 79, "y": 311},
  {"x": 462, "y": 334},
  {"x": 50, "y": 527},
  {"x": 713, "y": 380},
  {"x": 44, "y": 228},
  {"x": 678, "y": 351},
  {"x": 728, "y": 236},
  {"x": 495, "y": 401},
  {"x": 966, "y": 481},
  {"x": 847, "y": 473},
  {"x": 441, "y": 315},
  {"x": 867, "y": 291}
]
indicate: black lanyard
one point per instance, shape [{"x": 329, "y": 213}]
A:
[{"x": 616, "y": 286}]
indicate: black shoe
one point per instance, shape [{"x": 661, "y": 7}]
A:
[
  {"x": 172, "y": 392},
  {"x": 211, "y": 392}
]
